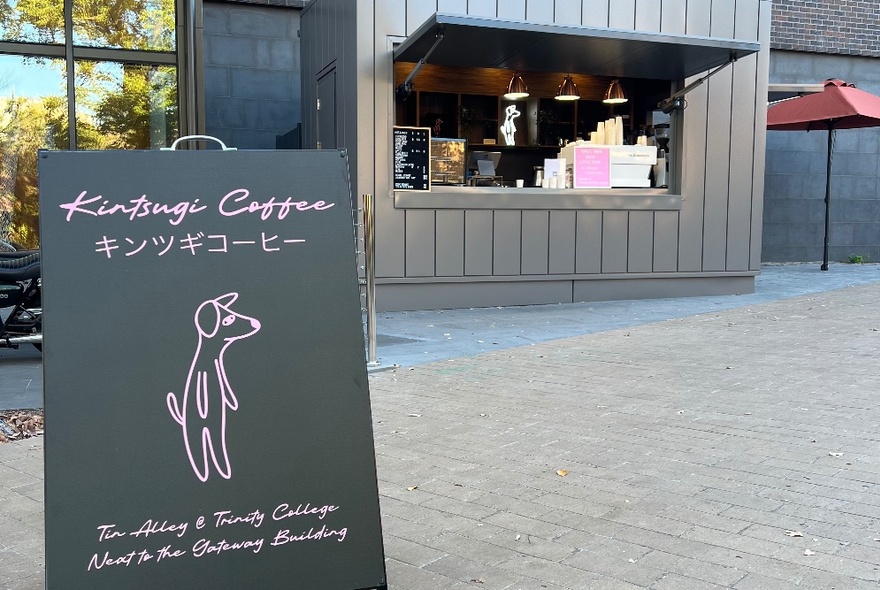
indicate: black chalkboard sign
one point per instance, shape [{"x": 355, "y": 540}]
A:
[
  {"x": 412, "y": 158},
  {"x": 205, "y": 382}
]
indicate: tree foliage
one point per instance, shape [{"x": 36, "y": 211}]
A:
[
  {"x": 129, "y": 110},
  {"x": 127, "y": 24}
]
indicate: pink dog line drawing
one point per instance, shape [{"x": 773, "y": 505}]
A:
[{"x": 202, "y": 412}]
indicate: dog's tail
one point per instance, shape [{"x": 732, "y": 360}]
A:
[{"x": 174, "y": 408}]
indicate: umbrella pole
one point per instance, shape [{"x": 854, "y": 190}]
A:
[{"x": 828, "y": 195}]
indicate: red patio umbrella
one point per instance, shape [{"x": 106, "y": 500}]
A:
[{"x": 838, "y": 106}]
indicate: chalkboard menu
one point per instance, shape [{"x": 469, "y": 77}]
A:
[
  {"x": 205, "y": 382},
  {"x": 412, "y": 158}
]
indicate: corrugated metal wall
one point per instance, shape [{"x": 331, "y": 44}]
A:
[
  {"x": 329, "y": 41},
  {"x": 542, "y": 256}
]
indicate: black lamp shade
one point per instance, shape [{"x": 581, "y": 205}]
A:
[
  {"x": 614, "y": 94},
  {"x": 568, "y": 90},
  {"x": 517, "y": 88}
]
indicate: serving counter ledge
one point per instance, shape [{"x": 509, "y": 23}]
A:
[{"x": 486, "y": 197}]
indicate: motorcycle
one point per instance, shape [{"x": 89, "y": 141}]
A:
[{"x": 20, "y": 290}]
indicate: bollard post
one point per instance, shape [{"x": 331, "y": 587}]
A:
[{"x": 370, "y": 277}]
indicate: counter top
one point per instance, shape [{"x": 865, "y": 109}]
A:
[{"x": 490, "y": 197}]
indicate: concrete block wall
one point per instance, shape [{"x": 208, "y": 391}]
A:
[
  {"x": 794, "y": 187},
  {"x": 252, "y": 71},
  {"x": 827, "y": 26}
]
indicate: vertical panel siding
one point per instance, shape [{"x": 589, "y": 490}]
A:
[
  {"x": 693, "y": 151},
  {"x": 563, "y": 234},
  {"x": 507, "y": 243},
  {"x": 452, "y": 6},
  {"x": 615, "y": 238},
  {"x": 535, "y": 242},
  {"x": 665, "y": 241},
  {"x": 420, "y": 236},
  {"x": 417, "y": 12},
  {"x": 718, "y": 147},
  {"x": 640, "y": 246},
  {"x": 515, "y": 9},
  {"x": 478, "y": 243},
  {"x": 588, "y": 256},
  {"x": 595, "y": 13},
  {"x": 539, "y": 11},
  {"x": 648, "y": 15},
  {"x": 482, "y": 7},
  {"x": 568, "y": 12},
  {"x": 762, "y": 76},
  {"x": 673, "y": 17},
  {"x": 622, "y": 14},
  {"x": 390, "y": 222},
  {"x": 742, "y": 133},
  {"x": 391, "y": 16},
  {"x": 450, "y": 243}
]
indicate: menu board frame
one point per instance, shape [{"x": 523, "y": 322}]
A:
[{"x": 411, "y": 169}]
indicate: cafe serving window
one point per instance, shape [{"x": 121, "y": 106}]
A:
[
  {"x": 75, "y": 74},
  {"x": 452, "y": 73}
]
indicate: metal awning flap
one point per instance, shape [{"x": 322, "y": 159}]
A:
[{"x": 471, "y": 41}]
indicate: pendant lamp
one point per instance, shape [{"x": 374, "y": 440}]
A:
[
  {"x": 516, "y": 88},
  {"x": 568, "y": 90},
  {"x": 614, "y": 94}
]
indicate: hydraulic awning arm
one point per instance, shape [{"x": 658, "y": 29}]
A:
[
  {"x": 676, "y": 102},
  {"x": 404, "y": 90}
]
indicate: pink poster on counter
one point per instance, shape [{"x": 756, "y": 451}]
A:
[{"x": 592, "y": 167}]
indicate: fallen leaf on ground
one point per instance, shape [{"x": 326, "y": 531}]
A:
[
  {"x": 562, "y": 472},
  {"x": 20, "y": 424},
  {"x": 411, "y": 488}
]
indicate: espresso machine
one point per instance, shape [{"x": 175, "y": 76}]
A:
[{"x": 661, "y": 168}]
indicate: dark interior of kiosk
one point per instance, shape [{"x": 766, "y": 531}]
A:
[{"x": 467, "y": 103}]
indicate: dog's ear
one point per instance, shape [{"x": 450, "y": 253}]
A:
[
  {"x": 226, "y": 300},
  {"x": 208, "y": 318}
]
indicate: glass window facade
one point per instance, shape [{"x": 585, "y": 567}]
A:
[
  {"x": 124, "y": 24},
  {"x": 123, "y": 65},
  {"x": 32, "y": 21}
]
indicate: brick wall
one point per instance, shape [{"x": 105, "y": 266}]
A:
[{"x": 850, "y": 27}]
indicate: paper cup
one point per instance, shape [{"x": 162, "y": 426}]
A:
[{"x": 520, "y": 183}]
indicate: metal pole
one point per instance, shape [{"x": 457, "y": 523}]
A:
[
  {"x": 828, "y": 196},
  {"x": 370, "y": 276}
]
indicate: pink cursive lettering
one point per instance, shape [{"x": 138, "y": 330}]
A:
[
  {"x": 140, "y": 207},
  {"x": 99, "y": 562},
  {"x": 238, "y": 198},
  {"x": 151, "y": 527},
  {"x": 284, "y": 537},
  {"x": 206, "y": 547},
  {"x": 285, "y": 511}
]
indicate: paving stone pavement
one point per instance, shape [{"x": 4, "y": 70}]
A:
[
  {"x": 734, "y": 449},
  {"x": 737, "y": 449}
]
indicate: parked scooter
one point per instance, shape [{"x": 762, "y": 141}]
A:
[{"x": 20, "y": 291}]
